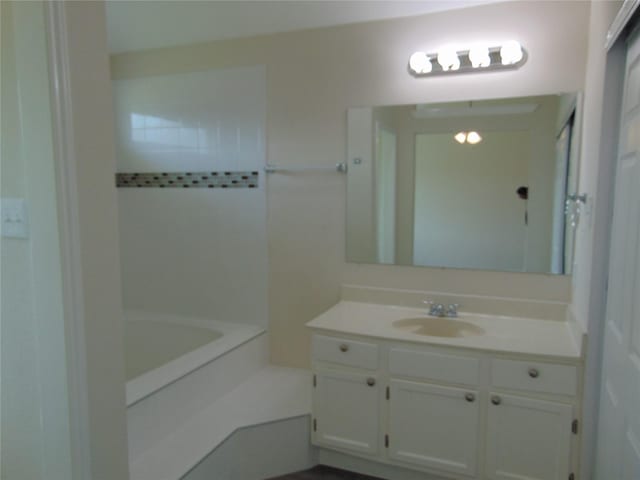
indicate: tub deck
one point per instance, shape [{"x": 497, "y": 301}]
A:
[{"x": 271, "y": 394}]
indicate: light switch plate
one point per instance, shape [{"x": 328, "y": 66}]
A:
[{"x": 13, "y": 213}]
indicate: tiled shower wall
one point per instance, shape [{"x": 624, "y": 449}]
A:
[{"x": 194, "y": 251}]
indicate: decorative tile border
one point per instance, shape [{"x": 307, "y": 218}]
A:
[{"x": 187, "y": 180}]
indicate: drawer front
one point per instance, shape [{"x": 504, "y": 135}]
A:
[
  {"x": 351, "y": 353},
  {"x": 534, "y": 377},
  {"x": 434, "y": 366}
]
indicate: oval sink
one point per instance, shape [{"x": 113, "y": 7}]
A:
[{"x": 438, "y": 327}]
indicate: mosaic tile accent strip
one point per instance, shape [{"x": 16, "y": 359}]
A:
[{"x": 188, "y": 180}]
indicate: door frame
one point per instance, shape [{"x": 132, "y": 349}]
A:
[
  {"x": 602, "y": 218},
  {"x": 84, "y": 154},
  {"x": 70, "y": 244}
]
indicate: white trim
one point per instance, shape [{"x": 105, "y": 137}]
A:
[
  {"x": 68, "y": 221},
  {"x": 619, "y": 23}
]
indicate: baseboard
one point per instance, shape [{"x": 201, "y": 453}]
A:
[{"x": 369, "y": 467}]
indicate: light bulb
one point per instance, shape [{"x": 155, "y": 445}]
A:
[
  {"x": 460, "y": 137},
  {"x": 479, "y": 56},
  {"x": 420, "y": 63},
  {"x": 448, "y": 59},
  {"x": 511, "y": 52},
  {"x": 473, "y": 138}
]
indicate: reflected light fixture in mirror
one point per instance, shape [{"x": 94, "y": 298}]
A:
[
  {"x": 460, "y": 137},
  {"x": 480, "y": 57},
  {"x": 471, "y": 137},
  {"x": 427, "y": 195}
]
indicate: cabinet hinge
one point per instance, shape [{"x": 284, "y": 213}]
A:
[
  {"x": 314, "y": 381},
  {"x": 315, "y": 425},
  {"x": 572, "y": 476},
  {"x": 574, "y": 427},
  {"x": 388, "y": 394},
  {"x": 386, "y": 441}
]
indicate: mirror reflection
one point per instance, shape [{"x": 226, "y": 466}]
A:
[{"x": 475, "y": 184}]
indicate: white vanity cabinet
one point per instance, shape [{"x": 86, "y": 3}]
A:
[
  {"x": 433, "y": 426},
  {"x": 347, "y": 411},
  {"x": 454, "y": 413},
  {"x": 528, "y": 438},
  {"x": 346, "y": 394}
]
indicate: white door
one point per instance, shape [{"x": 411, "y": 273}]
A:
[
  {"x": 434, "y": 426},
  {"x": 528, "y": 439},
  {"x": 346, "y": 411},
  {"x": 618, "y": 451}
]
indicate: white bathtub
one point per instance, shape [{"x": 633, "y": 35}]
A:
[
  {"x": 179, "y": 366},
  {"x": 160, "y": 348}
]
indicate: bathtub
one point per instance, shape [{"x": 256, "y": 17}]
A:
[
  {"x": 176, "y": 366},
  {"x": 161, "y": 348}
]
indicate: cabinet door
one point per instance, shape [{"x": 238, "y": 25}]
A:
[
  {"x": 528, "y": 439},
  {"x": 346, "y": 411},
  {"x": 434, "y": 426}
]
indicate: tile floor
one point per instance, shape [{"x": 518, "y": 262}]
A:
[{"x": 321, "y": 472}]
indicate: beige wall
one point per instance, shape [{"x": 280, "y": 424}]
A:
[
  {"x": 21, "y": 399},
  {"x": 312, "y": 78}
]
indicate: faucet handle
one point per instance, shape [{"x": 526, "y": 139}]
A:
[
  {"x": 452, "y": 310},
  {"x": 435, "y": 309}
]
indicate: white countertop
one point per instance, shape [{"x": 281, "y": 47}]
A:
[{"x": 501, "y": 334}]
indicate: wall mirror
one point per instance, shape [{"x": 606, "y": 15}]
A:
[{"x": 474, "y": 184}]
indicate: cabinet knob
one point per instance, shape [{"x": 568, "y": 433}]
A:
[
  {"x": 371, "y": 381},
  {"x": 344, "y": 347},
  {"x": 469, "y": 397},
  {"x": 534, "y": 373},
  {"x": 496, "y": 400}
]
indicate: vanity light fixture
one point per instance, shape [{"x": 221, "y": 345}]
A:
[
  {"x": 448, "y": 59},
  {"x": 420, "y": 63},
  {"x": 480, "y": 57},
  {"x": 511, "y": 53}
]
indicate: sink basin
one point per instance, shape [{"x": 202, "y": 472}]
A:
[{"x": 438, "y": 327}]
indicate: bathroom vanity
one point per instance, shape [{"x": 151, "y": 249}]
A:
[{"x": 478, "y": 397}]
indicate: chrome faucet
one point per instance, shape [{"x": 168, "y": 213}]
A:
[
  {"x": 452, "y": 310},
  {"x": 439, "y": 310},
  {"x": 435, "y": 309}
]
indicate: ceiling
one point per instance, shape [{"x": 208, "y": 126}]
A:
[{"x": 142, "y": 24}]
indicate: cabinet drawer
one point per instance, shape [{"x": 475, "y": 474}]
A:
[
  {"x": 534, "y": 376},
  {"x": 434, "y": 366},
  {"x": 351, "y": 353}
]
